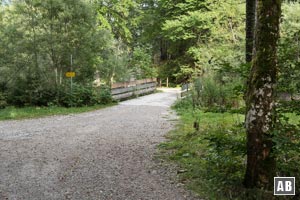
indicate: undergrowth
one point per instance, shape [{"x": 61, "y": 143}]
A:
[{"x": 213, "y": 158}]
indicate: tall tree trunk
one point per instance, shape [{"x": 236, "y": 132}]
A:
[
  {"x": 260, "y": 97},
  {"x": 163, "y": 50},
  {"x": 250, "y": 27}
]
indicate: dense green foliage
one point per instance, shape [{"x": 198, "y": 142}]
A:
[
  {"x": 289, "y": 52},
  {"x": 211, "y": 150},
  {"x": 118, "y": 40},
  {"x": 187, "y": 41},
  {"x": 197, "y": 36},
  {"x": 42, "y": 40}
]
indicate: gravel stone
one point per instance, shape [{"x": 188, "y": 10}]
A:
[{"x": 105, "y": 154}]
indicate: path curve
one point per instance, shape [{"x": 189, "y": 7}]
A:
[{"x": 104, "y": 154}]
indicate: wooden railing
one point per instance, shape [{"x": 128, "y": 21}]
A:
[
  {"x": 128, "y": 89},
  {"x": 184, "y": 90}
]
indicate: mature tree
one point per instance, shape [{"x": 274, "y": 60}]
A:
[
  {"x": 117, "y": 17},
  {"x": 208, "y": 36},
  {"x": 37, "y": 40},
  {"x": 260, "y": 97},
  {"x": 250, "y": 26}
]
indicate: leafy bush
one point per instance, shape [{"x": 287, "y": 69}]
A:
[
  {"x": 224, "y": 159},
  {"x": 289, "y": 106},
  {"x": 214, "y": 156},
  {"x": 210, "y": 95},
  {"x": 183, "y": 104},
  {"x": 43, "y": 96},
  {"x": 80, "y": 95},
  {"x": 85, "y": 96},
  {"x": 104, "y": 95},
  {"x": 31, "y": 92},
  {"x": 287, "y": 146},
  {"x": 20, "y": 93}
]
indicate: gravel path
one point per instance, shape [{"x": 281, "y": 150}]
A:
[{"x": 104, "y": 154}]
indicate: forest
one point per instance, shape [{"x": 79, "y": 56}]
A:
[{"x": 241, "y": 60}]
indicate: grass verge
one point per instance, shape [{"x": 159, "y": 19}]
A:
[
  {"x": 212, "y": 160},
  {"x": 13, "y": 113}
]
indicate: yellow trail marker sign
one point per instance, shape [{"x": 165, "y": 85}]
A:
[{"x": 70, "y": 74}]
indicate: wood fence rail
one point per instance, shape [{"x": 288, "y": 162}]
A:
[
  {"x": 185, "y": 89},
  {"x": 128, "y": 89}
]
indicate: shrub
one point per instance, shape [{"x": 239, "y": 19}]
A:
[
  {"x": 80, "y": 95},
  {"x": 214, "y": 96},
  {"x": 84, "y": 95},
  {"x": 104, "y": 95},
  {"x": 34, "y": 93},
  {"x": 44, "y": 96},
  {"x": 31, "y": 91},
  {"x": 183, "y": 104},
  {"x": 17, "y": 93},
  {"x": 287, "y": 146},
  {"x": 225, "y": 158}
]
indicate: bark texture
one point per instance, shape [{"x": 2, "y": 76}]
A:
[
  {"x": 250, "y": 27},
  {"x": 260, "y": 96}
]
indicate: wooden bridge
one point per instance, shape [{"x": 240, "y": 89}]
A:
[{"x": 128, "y": 89}]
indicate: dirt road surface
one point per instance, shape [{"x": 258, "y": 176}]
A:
[{"x": 104, "y": 154}]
